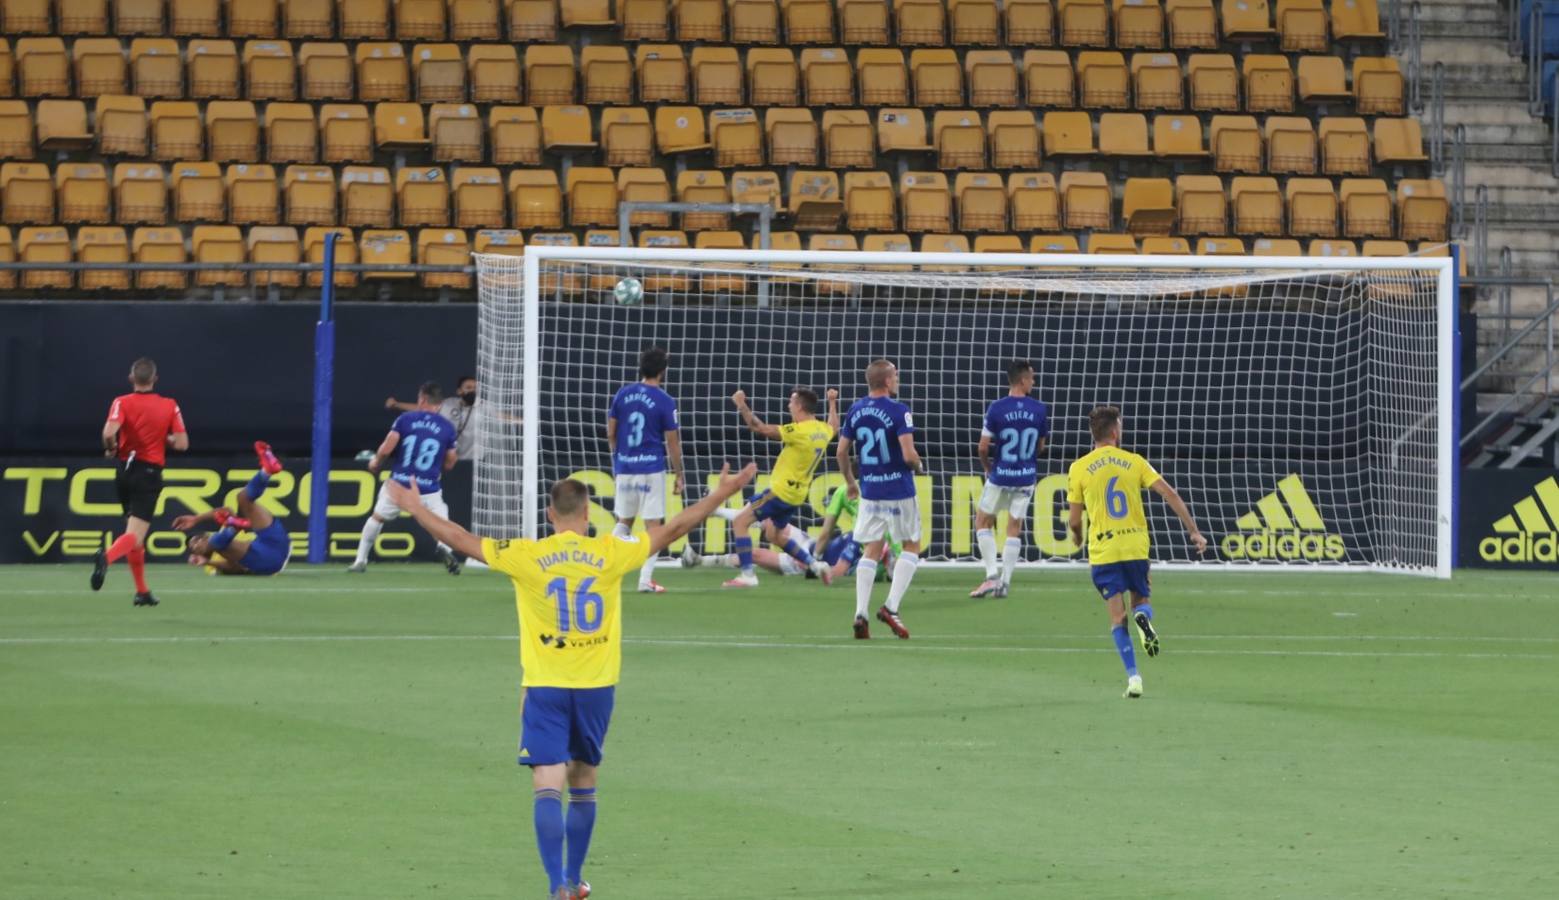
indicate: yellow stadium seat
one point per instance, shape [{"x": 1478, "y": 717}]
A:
[
  {"x": 792, "y": 135},
  {"x": 1169, "y": 246},
  {"x": 1068, "y": 134},
  {"x": 515, "y": 133},
  {"x": 1112, "y": 245},
  {"x": 1247, "y": 21},
  {"x": 535, "y": 199},
  {"x": 7, "y": 69},
  {"x": 386, "y": 247},
  {"x": 816, "y": 203},
  {"x": 627, "y": 138},
  {"x": 754, "y": 187},
  {"x": 1202, "y": 206},
  {"x": 100, "y": 66},
  {"x": 1269, "y": 84},
  {"x": 1084, "y": 23},
  {"x": 1356, "y": 20},
  {"x": 720, "y": 282},
  {"x": 648, "y": 185},
  {"x": 1397, "y": 142},
  {"x": 364, "y": 20},
  {"x": 937, "y": 77},
  {"x": 982, "y": 202},
  {"x": 565, "y": 130},
  {"x": 1301, "y": 26},
  {"x": 662, "y": 73},
  {"x": 39, "y": 245},
  {"x": 399, "y": 126},
  {"x": 499, "y": 242},
  {"x": 310, "y": 193},
  {"x": 998, "y": 243},
  {"x": 941, "y": 243},
  {"x": 1124, "y": 135},
  {"x": 478, "y": 197},
  {"x": 1223, "y": 246},
  {"x": 1178, "y": 137},
  {"x": 1215, "y": 82},
  {"x": 306, "y": 19},
  {"x": 346, "y": 133},
  {"x": 754, "y": 21},
  {"x": 1029, "y": 23},
  {"x": 992, "y": 78},
  {"x": 1421, "y": 209},
  {"x": 199, "y": 194},
  {"x": 717, "y": 76},
  {"x": 1326, "y": 247},
  {"x": 16, "y": 131},
  {"x": 920, "y": 23},
  {"x": 1258, "y": 205},
  {"x": 808, "y": 21},
  {"x": 140, "y": 194},
  {"x": 1345, "y": 146},
  {"x": 923, "y": 196},
  {"x": 592, "y": 196},
  {"x": 176, "y": 130},
  {"x": 737, "y": 137},
  {"x": 1275, "y": 247},
  {"x": 1385, "y": 248},
  {"x": 827, "y": 77},
  {"x": 644, "y": 20},
  {"x": 1053, "y": 243},
  {"x": 155, "y": 69},
  {"x": 133, "y": 17},
  {"x": 1312, "y": 207},
  {"x": 883, "y": 77},
  {"x": 159, "y": 245},
  {"x": 863, "y": 22},
  {"x": 276, "y": 245},
  {"x": 1047, "y": 78},
  {"x": 252, "y": 195},
  {"x": 367, "y": 197},
  {"x": 1139, "y": 24},
  {"x": 474, "y": 20},
  {"x": 291, "y": 133},
  {"x": 103, "y": 245},
  {"x": 974, "y": 23},
  {"x": 422, "y": 195},
  {"x": 62, "y": 125},
  {"x": 1156, "y": 81},
  {"x": 270, "y": 71},
  {"x": 773, "y": 78},
  {"x": 1014, "y": 139},
  {"x": 838, "y": 243},
  {"x": 549, "y": 74},
  {"x": 43, "y": 70},
  {"x": 680, "y": 129},
  {"x": 1237, "y": 145},
  {"x": 959, "y": 138},
  {"x": 902, "y": 130},
  {"x": 420, "y": 20},
  {"x": 1148, "y": 206},
  {"x": 32, "y": 17},
  {"x": 703, "y": 186},
  {"x": 1086, "y": 200},
  {"x": 314, "y": 252},
  {"x": 444, "y": 247},
  {"x": 699, "y": 20},
  {"x": 494, "y": 73},
  {"x": 1377, "y": 86},
  {"x": 213, "y": 70},
  {"x": 532, "y": 20},
  {"x": 607, "y": 74},
  {"x": 1322, "y": 79},
  {"x": 75, "y": 17},
  {"x": 439, "y": 73},
  {"x": 82, "y": 193},
  {"x": 252, "y": 19},
  {"x": 382, "y": 72},
  {"x": 1291, "y": 146},
  {"x": 232, "y": 131}
]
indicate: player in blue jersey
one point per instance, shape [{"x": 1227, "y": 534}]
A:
[
  {"x": 888, "y": 463},
  {"x": 264, "y": 554},
  {"x": 1018, "y": 426},
  {"x": 641, "y": 430},
  {"x": 420, "y": 447}
]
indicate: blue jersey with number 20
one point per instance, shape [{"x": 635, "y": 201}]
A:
[
  {"x": 425, "y": 440},
  {"x": 1015, "y": 426},
  {"x": 874, "y": 425}
]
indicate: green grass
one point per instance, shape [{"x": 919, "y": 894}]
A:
[{"x": 325, "y": 736}]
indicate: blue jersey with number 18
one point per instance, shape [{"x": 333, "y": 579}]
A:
[
  {"x": 1015, "y": 425},
  {"x": 644, "y": 414},
  {"x": 425, "y": 440},
  {"x": 874, "y": 424}
]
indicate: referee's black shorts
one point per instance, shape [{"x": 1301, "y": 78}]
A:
[{"x": 139, "y": 484}]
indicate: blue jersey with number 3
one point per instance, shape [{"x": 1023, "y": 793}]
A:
[
  {"x": 425, "y": 440},
  {"x": 644, "y": 414},
  {"x": 1015, "y": 426},
  {"x": 874, "y": 425}
]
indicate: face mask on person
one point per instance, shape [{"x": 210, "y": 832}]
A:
[{"x": 469, "y": 398}]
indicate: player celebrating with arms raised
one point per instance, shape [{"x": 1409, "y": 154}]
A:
[
  {"x": 888, "y": 465},
  {"x": 804, "y": 440},
  {"x": 421, "y": 447},
  {"x": 1019, "y": 425},
  {"x": 641, "y": 430},
  {"x": 1109, "y": 482},
  {"x": 569, "y": 591}
]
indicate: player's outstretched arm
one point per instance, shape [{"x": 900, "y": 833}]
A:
[
  {"x": 751, "y": 420},
  {"x": 1164, "y": 489},
  {"x": 662, "y": 536},
  {"x": 833, "y": 410},
  {"x": 399, "y": 405},
  {"x": 441, "y": 530}
]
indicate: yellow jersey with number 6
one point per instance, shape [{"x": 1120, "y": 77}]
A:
[
  {"x": 1109, "y": 483},
  {"x": 804, "y": 444},
  {"x": 569, "y": 591}
]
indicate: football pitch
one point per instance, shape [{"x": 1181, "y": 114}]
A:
[{"x": 320, "y": 735}]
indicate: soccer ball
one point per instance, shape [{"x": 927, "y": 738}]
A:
[{"x": 628, "y": 292}]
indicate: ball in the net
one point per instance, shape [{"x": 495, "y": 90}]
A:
[{"x": 628, "y": 292}]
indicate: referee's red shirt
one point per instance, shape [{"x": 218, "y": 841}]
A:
[{"x": 146, "y": 421}]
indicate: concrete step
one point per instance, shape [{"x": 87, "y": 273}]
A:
[
  {"x": 1533, "y": 135},
  {"x": 1459, "y": 11},
  {"x": 1484, "y": 91},
  {"x": 1462, "y": 112},
  {"x": 1447, "y": 30},
  {"x": 1511, "y": 72},
  {"x": 1540, "y": 178},
  {"x": 1476, "y": 52},
  {"x": 1508, "y": 154}
]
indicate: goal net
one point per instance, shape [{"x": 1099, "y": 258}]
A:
[{"x": 1302, "y": 407}]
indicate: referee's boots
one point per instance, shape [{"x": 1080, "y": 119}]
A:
[{"x": 145, "y": 599}]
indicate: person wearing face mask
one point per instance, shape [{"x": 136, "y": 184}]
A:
[{"x": 459, "y": 410}]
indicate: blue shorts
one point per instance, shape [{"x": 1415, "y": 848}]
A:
[
  {"x": 1118, "y": 578},
  {"x": 562, "y": 724},
  {"x": 768, "y": 507},
  {"x": 844, "y": 547},
  {"x": 268, "y": 552}
]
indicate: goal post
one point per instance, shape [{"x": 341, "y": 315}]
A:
[{"x": 1303, "y": 406}]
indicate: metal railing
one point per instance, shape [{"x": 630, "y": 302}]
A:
[
  {"x": 1415, "y": 56},
  {"x": 1545, "y": 374},
  {"x": 1553, "y": 150},
  {"x": 1534, "y": 59},
  {"x": 1437, "y": 121},
  {"x": 1513, "y": 16},
  {"x": 1480, "y": 230},
  {"x": 1459, "y": 181},
  {"x": 1393, "y": 25}
]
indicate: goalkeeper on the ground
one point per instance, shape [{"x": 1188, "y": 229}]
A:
[{"x": 841, "y": 551}]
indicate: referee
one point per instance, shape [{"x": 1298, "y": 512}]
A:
[{"x": 141, "y": 426}]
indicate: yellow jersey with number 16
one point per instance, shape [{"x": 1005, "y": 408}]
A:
[
  {"x": 569, "y": 591},
  {"x": 1109, "y": 483}
]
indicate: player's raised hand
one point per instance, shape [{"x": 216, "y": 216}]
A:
[
  {"x": 1199, "y": 542},
  {"x": 407, "y": 498},
  {"x": 389, "y": 403},
  {"x": 832, "y": 395},
  {"x": 739, "y": 398},
  {"x": 730, "y": 484},
  {"x": 185, "y": 523}
]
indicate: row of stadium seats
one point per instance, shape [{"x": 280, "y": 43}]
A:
[
  {"x": 660, "y": 73},
  {"x": 236, "y": 131},
  {"x": 473, "y": 197},
  {"x": 1296, "y": 25}
]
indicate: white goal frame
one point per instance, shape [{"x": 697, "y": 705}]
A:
[{"x": 1254, "y": 267}]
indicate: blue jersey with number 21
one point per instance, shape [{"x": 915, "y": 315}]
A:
[
  {"x": 1015, "y": 426},
  {"x": 425, "y": 440},
  {"x": 644, "y": 414},
  {"x": 874, "y": 424}
]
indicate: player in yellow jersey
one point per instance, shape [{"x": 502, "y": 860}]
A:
[
  {"x": 1109, "y": 482},
  {"x": 804, "y": 441},
  {"x": 569, "y": 591}
]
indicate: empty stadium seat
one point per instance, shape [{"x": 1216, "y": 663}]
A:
[
  {"x": 662, "y": 73},
  {"x": 1112, "y": 244},
  {"x": 920, "y": 23},
  {"x": 937, "y": 77},
  {"x": 44, "y": 245},
  {"x": 981, "y": 200},
  {"x": 1356, "y": 20},
  {"x": 1104, "y": 80},
  {"x": 1247, "y": 21},
  {"x": 277, "y": 245},
  {"x": 7, "y": 69},
  {"x": 232, "y": 131},
  {"x": 1397, "y": 142},
  {"x": 1329, "y": 247},
  {"x": 100, "y": 66},
  {"x": 382, "y": 72},
  {"x": 826, "y": 77},
  {"x": 82, "y": 193},
  {"x": 1201, "y": 203},
  {"x": 345, "y": 253},
  {"x": 699, "y": 20},
  {"x": 863, "y": 22},
  {"x": 159, "y": 245},
  {"x": 444, "y": 247},
  {"x": 346, "y": 133},
  {"x": 1068, "y": 134},
  {"x": 399, "y": 126},
  {"x": 515, "y": 135},
  {"x": 176, "y": 131},
  {"x": 1034, "y": 201},
  {"x": 959, "y": 138},
  {"x": 253, "y": 197},
  {"x": 1148, "y": 206},
  {"x": 155, "y": 69},
  {"x": 307, "y": 19},
  {"x": 1385, "y": 248},
  {"x": 1169, "y": 246},
  {"x": 1029, "y": 23},
  {"x": 1377, "y": 86},
  {"x": 1276, "y": 247},
  {"x": 1086, "y": 201},
  {"x": 592, "y": 196},
  {"x": 1312, "y": 207},
  {"x": 649, "y": 185},
  {"x": 1345, "y": 146},
  {"x": 1192, "y": 24},
  {"x": 737, "y": 137},
  {"x": 387, "y": 247},
  {"x": 816, "y": 203},
  {"x": 1321, "y": 80},
  {"x": 848, "y": 139},
  {"x": 1291, "y": 146},
  {"x": 83, "y": 17},
  {"x": 550, "y": 74},
  {"x": 474, "y": 20},
  {"x": 1124, "y": 135},
  {"x": 992, "y": 78},
  {"x": 494, "y": 73},
  {"x": 808, "y": 21},
  {"x": 478, "y": 196},
  {"x": 902, "y": 131},
  {"x": 1222, "y": 246},
  {"x": 773, "y": 78},
  {"x": 291, "y": 133},
  {"x": 680, "y": 129},
  {"x": 565, "y": 130},
  {"x": 16, "y": 130},
  {"x": 213, "y": 70},
  {"x": 924, "y": 201},
  {"x": 62, "y": 125},
  {"x": 270, "y": 73},
  {"x": 1156, "y": 81},
  {"x": 535, "y": 199},
  {"x": 1214, "y": 81},
  {"x": 1236, "y": 145},
  {"x": 792, "y": 135},
  {"x": 140, "y": 194},
  {"x": 754, "y": 21},
  {"x": 439, "y": 73},
  {"x": 532, "y": 20},
  {"x": 103, "y": 245},
  {"x": 1301, "y": 26},
  {"x": 1178, "y": 137},
  {"x": 1269, "y": 83},
  {"x": 1048, "y": 78},
  {"x": 1258, "y": 205},
  {"x": 974, "y": 23},
  {"x": 420, "y": 20},
  {"x": 627, "y": 138},
  {"x": 367, "y": 196},
  {"x": 703, "y": 186},
  {"x": 1053, "y": 243},
  {"x": 1014, "y": 139},
  {"x": 139, "y": 17},
  {"x": 26, "y": 194},
  {"x": 883, "y": 77},
  {"x": 1139, "y": 24},
  {"x": 198, "y": 192},
  {"x": 42, "y": 68},
  {"x": 310, "y": 193},
  {"x": 422, "y": 196},
  {"x": 717, "y": 76},
  {"x": 1083, "y": 23},
  {"x": 1422, "y": 210},
  {"x": 257, "y": 18}
]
